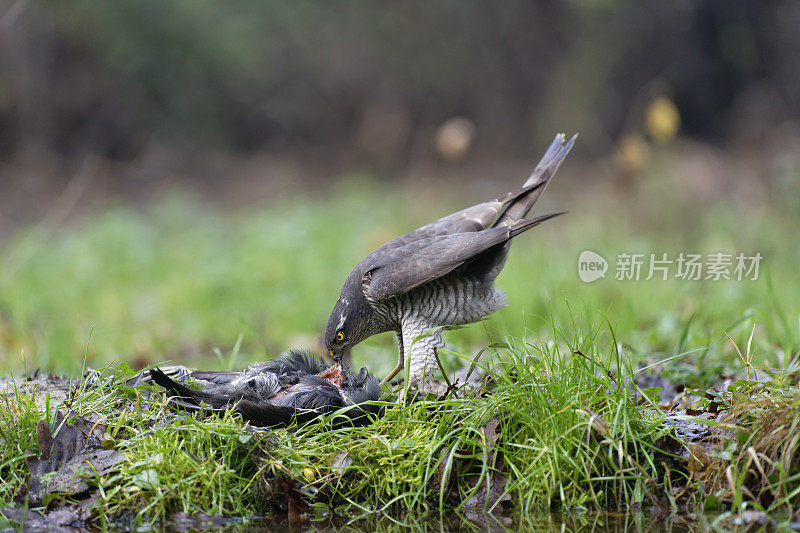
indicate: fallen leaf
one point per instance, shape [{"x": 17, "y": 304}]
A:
[
  {"x": 296, "y": 504},
  {"x": 70, "y": 515},
  {"x": 492, "y": 485},
  {"x": 340, "y": 462},
  {"x": 147, "y": 479},
  {"x": 65, "y": 460}
]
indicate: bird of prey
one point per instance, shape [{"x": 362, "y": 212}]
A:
[
  {"x": 297, "y": 387},
  {"x": 440, "y": 275}
]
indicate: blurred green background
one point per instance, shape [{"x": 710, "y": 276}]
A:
[{"x": 190, "y": 178}]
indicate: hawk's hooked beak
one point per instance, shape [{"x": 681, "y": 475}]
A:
[{"x": 337, "y": 357}]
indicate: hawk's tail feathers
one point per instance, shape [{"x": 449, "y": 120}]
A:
[
  {"x": 528, "y": 223},
  {"x": 551, "y": 160},
  {"x": 537, "y": 182}
]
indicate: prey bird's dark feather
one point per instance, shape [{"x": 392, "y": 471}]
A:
[{"x": 277, "y": 393}]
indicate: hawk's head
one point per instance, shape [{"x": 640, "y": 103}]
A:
[{"x": 345, "y": 327}]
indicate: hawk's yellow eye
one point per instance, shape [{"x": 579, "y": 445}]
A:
[{"x": 339, "y": 337}]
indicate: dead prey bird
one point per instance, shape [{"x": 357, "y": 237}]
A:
[
  {"x": 440, "y": 275},
  {"x": 296, "y": 387}
]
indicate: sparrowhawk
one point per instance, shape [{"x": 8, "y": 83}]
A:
[{"x": 440, "y": 275}]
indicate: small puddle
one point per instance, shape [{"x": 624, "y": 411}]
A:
[{"x": 555, "y": 522}]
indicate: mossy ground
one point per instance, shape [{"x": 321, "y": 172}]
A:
[
  {"x": 559, "y": 427},
  {"x": 548, "y": 432}
]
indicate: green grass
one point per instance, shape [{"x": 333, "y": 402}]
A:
[
  {"x": 179, "y": 280},
  {"x": 568, "y": 437},
  {"x": 543, "y": 401},
  {"x": 182, "y": 281}
]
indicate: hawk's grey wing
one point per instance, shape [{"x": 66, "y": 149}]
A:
[
  {"x": 410, "y": 266},
  {"x": 505, "y": 210},
  {"x": 461, "y": 222}
]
